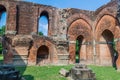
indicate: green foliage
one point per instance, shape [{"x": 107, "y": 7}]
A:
[
  {"x": 77, "y": 46},
  {"x": 2, "y": 30},
  {"x": 77, "y": 51},
  {"x": 1, "y": 48},
  {"x": 40, "y": 33},
  {"x": 52, "y": 72},
  {"x": 1, "y": 55},
  {"x": 114, "y": 44}
]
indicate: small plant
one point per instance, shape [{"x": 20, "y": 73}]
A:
[
  {"x": 1, "y": 55},
  {"x": 77, "y": 51},
  {"x": 40, "y": 33},
  {"x": 2, "y": 30}
]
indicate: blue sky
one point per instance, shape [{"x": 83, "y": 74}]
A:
[
  {"x": 43, "y": 25},
  {"x": 80, "y": 4},
  {"x": 3, "y": 19}
]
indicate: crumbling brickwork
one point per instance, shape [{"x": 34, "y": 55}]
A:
[{"x": 65, "y": 26}]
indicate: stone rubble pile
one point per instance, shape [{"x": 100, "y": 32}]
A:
[{"x": 79, "y": 72}]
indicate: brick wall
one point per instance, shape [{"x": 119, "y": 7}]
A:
[{"x": 65, "y": 25}]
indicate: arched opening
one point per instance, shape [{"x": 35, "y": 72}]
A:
[
  {"x": 42, "y": 55},
  {"x": 3, "y": 19},
  {"x": 80, "y": 53},
  {"x": 43, "y": 24},
  {"x": 2, "y": 23},
  {"x": 107, "y": 51}
]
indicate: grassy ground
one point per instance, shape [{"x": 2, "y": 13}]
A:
[
  {"x": 1, "y": 58},
  {"x": 105, "y": 73},
  {"x": 42, "y": 73},
  {"x": 52, "y": 72}
]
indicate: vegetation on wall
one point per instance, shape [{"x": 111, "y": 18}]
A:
[
  {"x": 77, "y": 51},
  {"x": 40, "y": 33},
  {"x": 115, "y": 55},
  {"x": 2, "y": 32},
  {"x": 114, "y": 44}
]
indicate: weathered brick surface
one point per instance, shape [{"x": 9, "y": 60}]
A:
[{"x": 65, "y": 26}]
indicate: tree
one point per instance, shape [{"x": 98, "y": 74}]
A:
[
  {"x": 2, "y": 30},
  {"x": 40, "y": 33}
]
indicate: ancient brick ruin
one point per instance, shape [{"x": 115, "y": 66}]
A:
[{"x": 95, "y": 31}]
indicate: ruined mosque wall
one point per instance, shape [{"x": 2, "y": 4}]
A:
[{"x": 65, "y": 26}]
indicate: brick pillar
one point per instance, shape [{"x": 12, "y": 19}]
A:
[
  {"x": 118, "y": 60},
  {"x": 89, "y": 54},
  {"x": 11, "y": 18},
  {"x": 72, "y": 52},
  {"x": 32, "y": 57}
]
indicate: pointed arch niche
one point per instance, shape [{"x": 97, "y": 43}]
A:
[{"x": 43, "y": 24}]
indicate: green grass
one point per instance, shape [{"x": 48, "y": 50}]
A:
[
  {"x": 42, "y": 73},
  {"x": 1, "y": 58},
  {"x": 105, "y": 73},
  {"x": 52, "y": 72}
]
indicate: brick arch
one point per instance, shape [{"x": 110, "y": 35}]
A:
[
  {"x": 49, "y": 11},
  {"x": 77, "y": 28},
  {"x": 4, "y": 4},
  {"x": 34, "y": 49},
  {"x": 77, "y": 16},
  {"x": 3, "y": 8},
  {"x": 43, "y": 56},
  {"x": 101, "y": 13},
  {"x": 108, "y": 22}
]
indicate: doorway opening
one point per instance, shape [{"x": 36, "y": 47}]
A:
[
  {"x": 42, "y": 55},
  {"x": 79, "y": 41},
  {"x": 108, "y": 53}
]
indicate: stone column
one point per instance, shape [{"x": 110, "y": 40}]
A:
[
  {"x": 32, "y": 56},
  {"x": 72, "y": 51}
]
